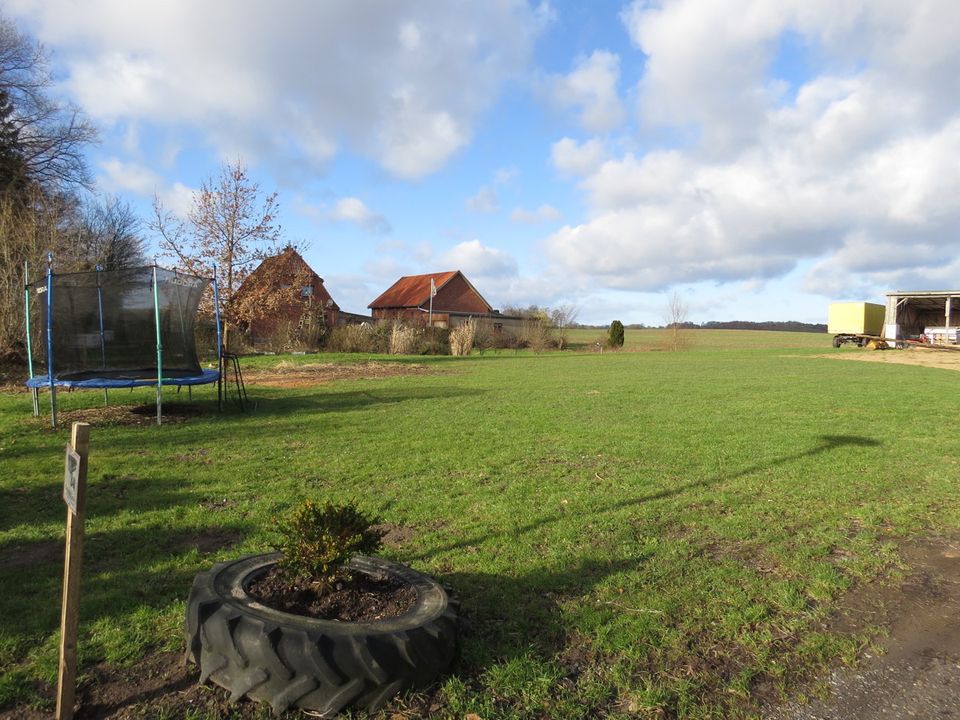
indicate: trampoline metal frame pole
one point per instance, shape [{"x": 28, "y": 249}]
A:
[
  {"x": 34, "y": 393},
  {"x": 216, "y": 315},
  {"x": 53, "y": 387},
  {"x": 103, "y": 347},
  {"x": 156, "y": 314}
]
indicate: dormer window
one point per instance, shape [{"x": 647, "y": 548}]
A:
[{"x": 306, "y": 291}]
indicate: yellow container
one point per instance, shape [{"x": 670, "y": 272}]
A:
[{"x": 855, "y": 318}]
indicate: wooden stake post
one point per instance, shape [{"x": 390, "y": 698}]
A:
[{"x": 75, "y": 495}]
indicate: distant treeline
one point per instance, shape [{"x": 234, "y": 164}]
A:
[{"x": 781, "y": 326}]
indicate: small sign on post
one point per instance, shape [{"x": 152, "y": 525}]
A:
[
  {"x": 71, "y": 478},
  {"x": 75, "y": 495}
]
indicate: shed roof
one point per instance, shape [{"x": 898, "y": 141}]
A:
[
  {"x": 924, "y": 293},
  {"x": 413, "y": 290}
]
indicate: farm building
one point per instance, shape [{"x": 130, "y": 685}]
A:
[
  {"x": 934, "y": 314},
  {"x": 456, "y": 301},
  {"x": 409, "y": 298},
  {"x": 284, "y": 295}
]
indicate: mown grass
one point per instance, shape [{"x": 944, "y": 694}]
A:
[
  {"x": 656, "y": 339},
  {"x": 635, "y": 533}
]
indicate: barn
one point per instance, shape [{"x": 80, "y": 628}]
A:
[
  {"x": 933, "y": 314},
  {"x": 438, "y": 298}
]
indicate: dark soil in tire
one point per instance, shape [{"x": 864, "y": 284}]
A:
[
  {"x": 290, "y": 660},
  {"x": 355, "y": 598}
]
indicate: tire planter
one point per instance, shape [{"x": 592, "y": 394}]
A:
[{"x": 290, "y": 660}]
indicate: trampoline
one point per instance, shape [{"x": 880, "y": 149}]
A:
[{"x": 109, "y": 329}]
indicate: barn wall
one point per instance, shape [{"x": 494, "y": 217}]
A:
[{"x": 458, "y": 296}]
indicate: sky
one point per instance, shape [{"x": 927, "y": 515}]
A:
[{"x": 757, "y": 159}]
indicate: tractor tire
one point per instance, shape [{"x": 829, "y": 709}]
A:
[{"x": 324, "y": 666}]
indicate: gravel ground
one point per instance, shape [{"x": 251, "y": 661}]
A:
[{"x": 917, "y": 672}]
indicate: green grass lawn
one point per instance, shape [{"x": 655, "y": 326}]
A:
[
  {"x": 634, "y": 533},
  {"x": 654, "y": 339}
]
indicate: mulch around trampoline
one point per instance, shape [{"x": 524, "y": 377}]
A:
[
  {"x": 290, "y": 374},
  {"x": 173, "y": 413}
]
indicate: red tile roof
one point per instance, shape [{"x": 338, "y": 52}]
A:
[{"x": 412, "y": 290}]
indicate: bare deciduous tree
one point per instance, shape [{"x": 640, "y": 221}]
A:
[
  {"x": 676, "y": 315},
  {"x": 26, "y": 235},
  {"x": 231, "y": 225},
  {"x": 107, "y": 234},
  {"x": 563, "y": 316},
  {"x": 47, "y": 136}
]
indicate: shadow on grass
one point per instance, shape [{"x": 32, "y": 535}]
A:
[
  {"x": 828, "y": 443},
  {"x": 39, "y": 504},
  {"x": 123, "y": 570},
  {"x": 516, "y": 615},
  {"x": 328, "y": 402}
]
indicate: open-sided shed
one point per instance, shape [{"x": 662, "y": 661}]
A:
[{"x": 911, "y": 314}]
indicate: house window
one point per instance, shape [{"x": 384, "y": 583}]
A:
[{"x": 306, "y": 291}]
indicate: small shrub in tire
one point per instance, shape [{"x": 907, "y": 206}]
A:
[{"x": 321, "y": 665}]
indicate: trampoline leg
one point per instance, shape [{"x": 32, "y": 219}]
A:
[
  {"x": 190, "y": 393},
  {"x": 104, "y": 397},
  {"x": 159, "y": 404},
  {"x": 36, "y": 401},
  {"x": 53, "y": 406}
]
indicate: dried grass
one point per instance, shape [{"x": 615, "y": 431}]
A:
[
  {"x": 403, "y": 340},
  {"x": 461, "y": 338}
]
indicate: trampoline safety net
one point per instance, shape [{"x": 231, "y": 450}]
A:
[{"x": 104, "y": 324}]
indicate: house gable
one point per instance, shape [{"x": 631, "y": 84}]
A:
[{"x": 280, "y": 289}]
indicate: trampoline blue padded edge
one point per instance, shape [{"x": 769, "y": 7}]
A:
[{"x": 42, "y": 381}]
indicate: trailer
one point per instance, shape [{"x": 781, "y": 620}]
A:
[{"x": 860, "y": 323}]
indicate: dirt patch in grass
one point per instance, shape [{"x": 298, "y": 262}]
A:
[
  {"x": 162, "y": 685},
  {"x": 914, "y": 670},
  {"x": 173, "y": 413},
  {"x": 394, "y": 536},
  {"x": 288, "y": 374},
  {"x": 206, "y": 541},
  {"x": 925, "y": 357},
  {"x": 31, "y": 554}
]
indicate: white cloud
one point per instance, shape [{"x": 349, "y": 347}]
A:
[
  {"x": 178, "y": 198},
  {"x": 853, "y": 171},
  {"x": 543, "y": 214},
  {"x": 571, "y": 158},
  {"x": 505, "y": 175},
  {"x": 118, "y": 175},
  {"x": 404, "y": 83},
  {"x": 474, "y": 258},
  {"x": 592, "y": 88},
  {"x": 485, "y": 201},
  {"x": 346, "y": 209},
  {"x": 351, "y": 209}
]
